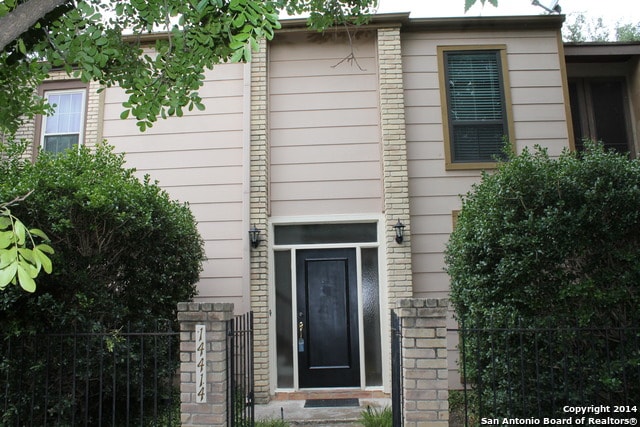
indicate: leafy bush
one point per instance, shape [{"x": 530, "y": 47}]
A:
[
  {"x": 271, "y": 422},
  {"x": 376, "y": 417},
  {"x": 125, "y": 253},
  {"x": 550, "y": 244}
]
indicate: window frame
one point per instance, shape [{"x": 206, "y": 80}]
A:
[
  {"x": 505, "y": 86},
  {"x": 57, "y": 87}
]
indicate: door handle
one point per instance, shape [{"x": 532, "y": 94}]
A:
[{"x": 300, "y": 338}]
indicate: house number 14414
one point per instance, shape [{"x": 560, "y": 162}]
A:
[{"x": 201, "y": 364}]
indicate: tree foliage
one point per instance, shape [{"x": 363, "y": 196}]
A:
[
  {"x": 550, "y": 243},
  {"x": 103, "y": 41},
  {"x": 628, "y": 32},
  {"x": 579, "y": 29},
  {"x": 21, "y": 259}
]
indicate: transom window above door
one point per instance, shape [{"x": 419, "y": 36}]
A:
[{"x": 301, "y": 234}]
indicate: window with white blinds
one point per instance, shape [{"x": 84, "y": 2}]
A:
[
  {"x": 63, "y": 129},
  {"x": 475, "y": 105}
]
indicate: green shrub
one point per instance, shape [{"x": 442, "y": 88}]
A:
[
  {"x": 550, "y": 243},
  {"x": 376, "y": 417},
  {"x": 125, "y": 253},
  {"x": 271, "y": 422}
]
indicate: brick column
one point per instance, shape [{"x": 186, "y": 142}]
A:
[
  {"x": 394, "y": 163},
  {"x": 424, "y": 362},
  {"x": 214, "y": 318},
  {"x": 259, "y": 216}
]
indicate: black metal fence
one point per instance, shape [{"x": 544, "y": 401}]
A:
[
  {"x": 396, "y": 369},
  {"x": 240, "y": 391},
  {"x": 535, "y": 373},
  {"x": 115, "y": 378}
]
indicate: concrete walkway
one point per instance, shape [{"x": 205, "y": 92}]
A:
[{"x": 294, "y": 412}]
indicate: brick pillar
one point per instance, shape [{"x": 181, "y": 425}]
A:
[
  {"x": 424, "y": 362},
  {"x": 394, "y": 164},
  {"x": 214, "y": 318},
  {"x": 259, "y": 216}
]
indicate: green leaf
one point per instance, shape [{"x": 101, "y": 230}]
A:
[
  {"x": 27, "y": 254},
  {"x": 39, "y": 233},
  {"x": 20, "y": 232},
  {"x": 6, "y": 239},
  {"x": 24, "y": 278},
  {"x": 124, "y": 115},
  {"x": 7, "y": 274},
  {"x": 44, "y": 248},
  {"x": 21, "y": 47},
  {"x": 239, "y": 20},
  {"x": 44, "y": 260},
  {"x": 237, "y": 55},
  {"x": 7, "y": 256},
  {"x": 469, "y": 3},
  {"x": 200, "y": 7},
  {"x": 5, "y": 222}
]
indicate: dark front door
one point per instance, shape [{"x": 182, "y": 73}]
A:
[{"x": 327, "y": 297}]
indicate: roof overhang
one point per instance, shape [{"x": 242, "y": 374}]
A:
[{"x": 601, "y": 51}]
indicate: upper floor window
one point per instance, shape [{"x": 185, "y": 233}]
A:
[
  {"x": 475, "y": 105},
  {"x": 599, "y": 108},
  {"x": 64, "y": 129}
]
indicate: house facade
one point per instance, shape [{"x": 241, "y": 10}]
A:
[{"x": 329, "y": 145}]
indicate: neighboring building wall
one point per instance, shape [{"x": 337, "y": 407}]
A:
[
  {"x": 324, "y": 129},
  {"x": 538, "y": 113},
  {"x": 198, "y": 158}
]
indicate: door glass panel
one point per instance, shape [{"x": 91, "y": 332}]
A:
[
  {"x": 371, "y": 308},
  {"x": 300, "y": 234},
  {"x": 284, "y": 329}
]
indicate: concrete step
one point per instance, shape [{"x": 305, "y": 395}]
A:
[{"x": 294, "y": 412}]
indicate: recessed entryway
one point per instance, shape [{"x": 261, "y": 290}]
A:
[{"x": 327, "y": 306}]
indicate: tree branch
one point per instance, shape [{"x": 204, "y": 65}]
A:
[{"x": 23, "y": 17}]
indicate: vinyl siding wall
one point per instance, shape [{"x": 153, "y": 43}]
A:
[
  {"x": 538, "y": 114},
  {"x": 198, "y": 159},
  {"x": 324, "y": 126},
  {"x": 539, "y": 118}
]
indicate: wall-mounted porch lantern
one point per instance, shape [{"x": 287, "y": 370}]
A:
[
  {"x": 399, "y": 228},
  {"x": 254, "y": 236}
]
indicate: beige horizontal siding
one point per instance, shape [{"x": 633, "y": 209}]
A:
[
  {"x": 324, "y": 126},
  {"x": 539, "y": 118},
  {"x": 538, "y": 114},
  {"x": 198, "y": 159}
]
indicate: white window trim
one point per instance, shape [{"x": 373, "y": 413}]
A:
[{"x": 43, "y": 124}]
